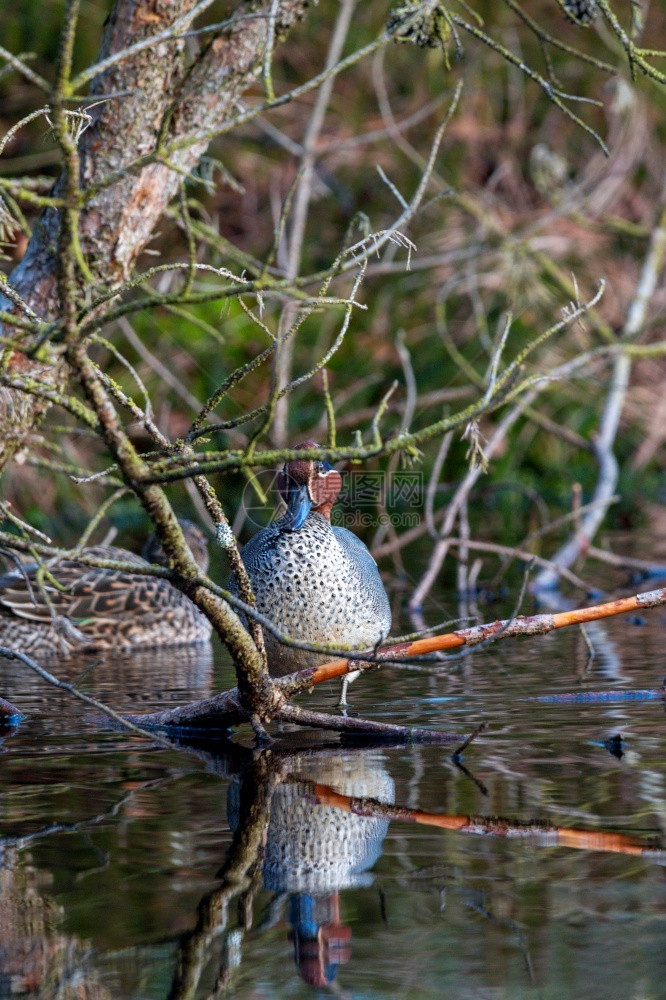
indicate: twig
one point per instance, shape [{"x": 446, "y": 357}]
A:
[
  {"x": 357, "y": 726},
  {"x": 627, "y": 562},
  {"x": 607, "y": 478},
  {"x": 25, "y": 70},
  {"x": 462, "y": 493},
  {"x": 14, "y": 654},
  {"x": 174, "y": 31},
  {"x": 302, "y": 199}
]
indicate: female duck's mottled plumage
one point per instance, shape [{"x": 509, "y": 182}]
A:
[
  {"x": 100, "y": 609},
  {"x": 316, "y": 581}
]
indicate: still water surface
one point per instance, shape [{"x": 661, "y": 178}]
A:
[{"x": 130, "y": 871}]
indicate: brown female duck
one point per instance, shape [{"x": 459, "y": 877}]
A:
[{"x": 100, "y": 609}]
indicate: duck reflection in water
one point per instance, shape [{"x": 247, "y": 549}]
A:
[
  {"x": 321, "y": 942},
  {"x": 313, "y": 851}
]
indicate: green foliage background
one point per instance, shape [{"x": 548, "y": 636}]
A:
[{"x": 515, "y": 229}]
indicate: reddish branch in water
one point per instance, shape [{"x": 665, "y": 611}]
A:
[{"x": 533, "y": 625}]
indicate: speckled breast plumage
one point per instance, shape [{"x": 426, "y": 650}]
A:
[
  {"x": 95, "y": 609},
  {"x": 320, "y": 584}
]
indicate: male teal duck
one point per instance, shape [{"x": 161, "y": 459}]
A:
[
  {"x": 316, "y": 581},
  {"x": 100, "y": 609}
]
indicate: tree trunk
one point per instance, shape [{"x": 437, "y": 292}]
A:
[{"x": 157, "y": 92}]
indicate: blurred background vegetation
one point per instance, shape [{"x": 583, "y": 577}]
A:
[{"x": 532, "y": 214}]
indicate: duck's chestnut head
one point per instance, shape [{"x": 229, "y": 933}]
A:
[{"x": 307, "y": 484}]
